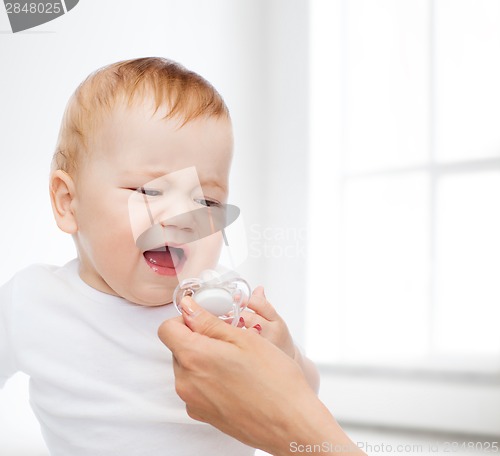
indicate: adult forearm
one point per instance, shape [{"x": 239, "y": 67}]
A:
[
  {"x": 312, "y": 430},
  {"x": 309, "y": 369}
]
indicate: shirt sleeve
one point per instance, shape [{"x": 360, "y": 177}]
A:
[{"x": 7, "y": 359}]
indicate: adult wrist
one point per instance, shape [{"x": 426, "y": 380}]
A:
[{"x": 315, "y": 431}]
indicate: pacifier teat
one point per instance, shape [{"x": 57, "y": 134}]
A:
[{"x": 223, "y": 295}]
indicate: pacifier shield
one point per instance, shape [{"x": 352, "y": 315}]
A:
[{"x": 217, "y": 301}]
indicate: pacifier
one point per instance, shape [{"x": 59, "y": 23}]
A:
[{"x": 223, "y": 295}]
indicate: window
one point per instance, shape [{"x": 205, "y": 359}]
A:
[{"x": 404, "y": 221}]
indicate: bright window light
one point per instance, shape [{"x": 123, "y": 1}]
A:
[
  {"x": 468, "y": 264},
  {"x": 404, "y": 252}
]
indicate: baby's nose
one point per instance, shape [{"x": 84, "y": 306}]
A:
[
  {"x": 197, "y": 223},
  {"x": 180, "y": 229},
  {"x": 183, "y": 221}
]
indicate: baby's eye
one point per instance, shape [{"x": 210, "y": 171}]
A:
[
  {"x": 148, "y": 191},
  {"x": 207, "y": 202}
]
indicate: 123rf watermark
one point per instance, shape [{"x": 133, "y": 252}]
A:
[
  {"x": 447, "y": 447},
  {"x": 277, "y": 242}
]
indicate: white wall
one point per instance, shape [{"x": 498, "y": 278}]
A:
[
  {"x": 43, "y": 66},
  {"x": 287, "y": 157},
  {"x": 253, "y": 51}
]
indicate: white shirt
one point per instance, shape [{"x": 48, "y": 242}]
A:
[{"x": 101, "y": 381}]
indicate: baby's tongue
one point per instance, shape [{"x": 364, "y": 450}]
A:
[{"x": 161, "y": 258}]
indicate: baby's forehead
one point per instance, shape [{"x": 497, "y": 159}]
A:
[
  {"x": 142, "y": 142},
  {"x": 145, "y": 119}
]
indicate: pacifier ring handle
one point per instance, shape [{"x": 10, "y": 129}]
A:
[{"x": 224, "y": 299}]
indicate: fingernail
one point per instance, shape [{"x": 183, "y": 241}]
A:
[
  {"x": 258, "y": 328},
  {"x": 241, "y": 322},
  {"x": 186, "y": 308}
]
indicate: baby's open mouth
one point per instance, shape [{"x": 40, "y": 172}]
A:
[{"x": 166, "y": 260}]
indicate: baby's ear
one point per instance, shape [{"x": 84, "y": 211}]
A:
[{"x": 62, "y": 192}]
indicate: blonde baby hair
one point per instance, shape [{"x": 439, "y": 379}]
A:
[{"x": 185, "y": 94}]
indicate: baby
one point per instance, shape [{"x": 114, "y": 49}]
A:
[{"x": 142, "y": 142}]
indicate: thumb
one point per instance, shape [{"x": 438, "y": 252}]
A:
[
  {"x": 259, "y": 291},
  {"x": 203, "y": 322}
]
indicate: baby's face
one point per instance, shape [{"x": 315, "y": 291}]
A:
[{"x": 143, "y": 174}]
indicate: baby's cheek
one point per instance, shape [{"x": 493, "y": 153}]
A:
[
  {"x": 138, "y": 219},
  {"x": 212, "y": 245}
]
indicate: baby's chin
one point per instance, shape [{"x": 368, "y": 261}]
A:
[
  {"x": 150, "y": 297},
  {"x": 156, "y": 294}
]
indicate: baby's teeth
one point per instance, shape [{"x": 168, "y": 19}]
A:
[{"x": 153, "y": 261}]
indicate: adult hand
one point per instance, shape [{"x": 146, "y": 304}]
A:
[{"x": 246, "y": 387}]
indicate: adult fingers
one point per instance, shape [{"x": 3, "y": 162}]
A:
[
  {"x": 252, "y": 319},
  {"x": 203, "y": 322},
  {"x": 174, "y": 333},
  {"x": 260, "y": 305}
]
